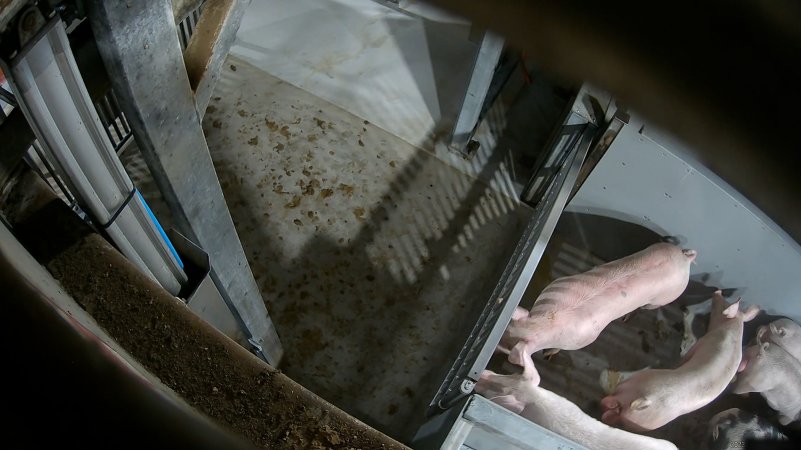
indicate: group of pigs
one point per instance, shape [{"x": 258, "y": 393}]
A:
[{"x": 571, "y": 312}]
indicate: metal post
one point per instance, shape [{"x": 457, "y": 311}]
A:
[
  {"x": 489, "y": 52},
  {"x": 139, "y": 46}
]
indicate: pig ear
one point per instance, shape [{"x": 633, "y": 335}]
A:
[
  {"x": 640, "y": 404},
  {"x": 777, "y": 330},
  {"x": 715, "y": 432},
  {"x": 764, "y": 347},
  {"x": 731, "y": 311}
]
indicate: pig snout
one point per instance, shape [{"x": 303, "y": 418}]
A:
[
  {"x": 689, "y": 253},
  {"x": 611, "y": 408}
]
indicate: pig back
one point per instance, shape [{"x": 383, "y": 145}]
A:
[{"x": 561, "y": 416}]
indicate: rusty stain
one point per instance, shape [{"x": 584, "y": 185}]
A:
[
  {"x": 298, "y": 222},
  {"x": 272, "y": 126},
  {"x": 311, "y": 138},
  {"x": 346, "y": 189},
  {"x": 361, "y": 144},
  {"x": 242, "y": 113},
  {"x": 294, "y": 203},
  {"x": 325, "y": 193},
  {"x": 216, "y": 124},
  {"x": 254, "y": 140},
  {"x": 233, "y": 67},
  {"x": 278, "y": 147},
  {"x": 392, "y": 163},
  {"x": 359, "y": 213},
  {"x": 320, "y": 123},
  {"x": 285, "y": 132}
]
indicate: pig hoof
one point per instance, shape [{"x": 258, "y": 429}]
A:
[
  {"x": 627, "y": 317},
  {"x": 548, "y": 354}
]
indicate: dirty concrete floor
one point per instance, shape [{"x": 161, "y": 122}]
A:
[{"x": 371, "y": 254}]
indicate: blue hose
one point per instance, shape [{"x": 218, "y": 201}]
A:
[{"x": 158, "y": 227}]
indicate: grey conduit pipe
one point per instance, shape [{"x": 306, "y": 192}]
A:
[{"x": 54, "y": 99}]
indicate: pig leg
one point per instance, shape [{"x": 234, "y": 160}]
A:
[
  {"x": 690, "y": 312},
  {"x": 518, "y": 314},
  {"x": 550, "y": 353},
  {"x": 512, "y": 392}
]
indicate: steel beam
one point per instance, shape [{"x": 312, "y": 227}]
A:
[
  {"x": 209, "y": 46},
  {"x": 489, "y": 52},
  {"x": 140, "y": 49}
]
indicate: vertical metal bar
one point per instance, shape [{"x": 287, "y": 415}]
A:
[
  {"x": 67, "y": 194},
  {"x": 489, "y": 52},
  {"x": 118, "y": 112},
  {"x": 139, "y": 45},
  {"x": 182, "y": 35},
  {"x": 113, "y": 121},
  {"x": 190, "y": 27}
]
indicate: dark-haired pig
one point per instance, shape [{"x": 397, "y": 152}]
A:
[
  {"x": 521, "y": 394},
  {"x": 733, "y": 427},
  {"x": 572, "y": 311},
  {"x": 785, "y": 333},
  {"x": 653, "y": 397},
  {"x": 768, "y": 369}
]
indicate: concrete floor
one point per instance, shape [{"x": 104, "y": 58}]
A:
[{"x": 371, "y": 253}]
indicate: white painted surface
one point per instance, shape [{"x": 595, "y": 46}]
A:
[
  {"x": 405, "y": 72},
  {"x": 402, "y": 72},
  {"x": 669, "y": 192}
]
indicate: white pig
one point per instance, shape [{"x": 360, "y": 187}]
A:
[
  {"x": 768, "y": 369},
  {"x": 785, "y": 333},
  {"x": 654, "y": 397},
  {"x": 572, "y": 311},
  {"x": 521, "y": 394}
]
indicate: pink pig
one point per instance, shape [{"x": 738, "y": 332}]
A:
[
  {"x": 572, "y": 311},
  {"x": 653, "y": 397},
  {"x": 521, "y": 394}
]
